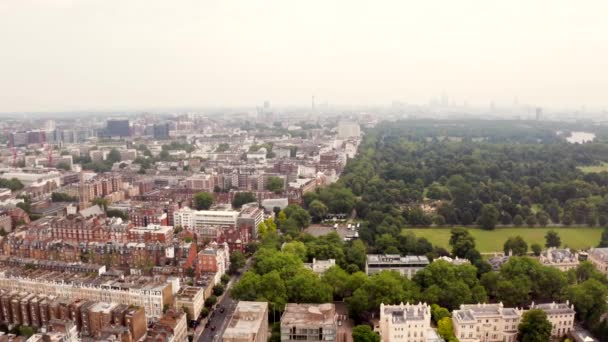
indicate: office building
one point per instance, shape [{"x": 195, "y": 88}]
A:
[{"x": 118, "y": 128}]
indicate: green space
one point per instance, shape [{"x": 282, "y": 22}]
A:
[
  {"x": 492, "y": 240},
  {"x": 595, "y": 168}
]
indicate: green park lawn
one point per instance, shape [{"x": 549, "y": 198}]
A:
[
  {"x": 488, "y": 241},
  {"x": 595, "y": 168}
]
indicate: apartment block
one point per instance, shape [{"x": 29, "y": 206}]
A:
[
  {"x": 249, "y": 323},
  {"x": 309, "y": 322},
  {"x": 145, "y": 292},
  {"x": 191, "y": 299}
]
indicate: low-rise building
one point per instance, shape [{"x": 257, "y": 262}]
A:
[
  {"x": 249, "y": 323},
  {"x": 562, "y": 259},
  {"x": 486, "y": 322},
  {"x": 309, "y": 322},
  {"x": 405, "y": 265},
  {"x": 406, "y": 323},
  {"x": 171, "y": 327},
  {"x": 320, "y": 266},
  {"x": 561, "y": 316},
  {"x": 599, "y": 257}
]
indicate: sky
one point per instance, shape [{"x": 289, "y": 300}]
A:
[{"x": 63, "y": 55}]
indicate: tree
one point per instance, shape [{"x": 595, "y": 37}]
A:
[
  {"x": 218, "y": 290},
  {"x": 552, "y": 239},
  {"x": 318, "y": 210},
  {"x": 298, "y": 214},
  {"x": 26, "y": 331},
  {"x": 241, "y": 198},
  {"x": 363, "y": 333},
  {"x": 461, "y": 241},
  {"x": 307, "y": 287},
  {"x": 438, "y": 313},
  {"x": 203, "y": 201},
  {"x": 488, "y": 217},
  {"x": 445, "y": 328},
  {"x": 517, "y": 245},
  {"x": 356, "y": 254},
  {"x": 585, "y": 296},
  {"x": 604, "y": 238},
  {"x": 113, "y": 156},
  {"x": 296, "y": 248},
  {"x": 237, "y": 261},
  {"x": 534, "y": 327},
  {"x": 275, "y": 184},
  {"x": 536, "y": 249},
  {"x": 190, "y": 272},
  {"x": 101, "y": 202},
  {"x": 518, "y": 220},
  {"x": 64, "y": 166},
  {"x": 12, "y": 184},
  {"x": 210, "y": 301}
]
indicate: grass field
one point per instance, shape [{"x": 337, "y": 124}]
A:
[
  {"x": 492, "y": 241},
  {"x": 596, "y": 168}
]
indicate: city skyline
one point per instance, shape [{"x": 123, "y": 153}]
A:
[{"x": 65, "y": 55}]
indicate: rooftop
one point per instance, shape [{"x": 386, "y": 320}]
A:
[
  {"x": 302, "y": 314},
  {"x": 246, "y": 320}
]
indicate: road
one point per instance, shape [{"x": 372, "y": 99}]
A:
[{"x": 220, "y": 320}]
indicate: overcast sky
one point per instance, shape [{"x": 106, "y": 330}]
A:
[{"x": 136, "y": 54}]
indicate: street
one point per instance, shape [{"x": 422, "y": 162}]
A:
[{"x": 218, "y": 319}]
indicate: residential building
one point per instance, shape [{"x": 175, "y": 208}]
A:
[
  {"x": 171, "y": 327},
  {"x": 405, "y": 265},
  {"x": 599, "y": 257},
  {"x": 151, "y": 294},
  {"x": 561, "y": 316},
  {"x": 214, "y": 258},
  {"x": 309, "y": 322},
  {"x": 486, "y": 323},
  {"x": 151, "y": 233},
  {"x": 191, "y": 299},
  {"x": 562, "y": 259},
  {"x": 405, "y": 323},
  {"x": 249, "y": 323}
]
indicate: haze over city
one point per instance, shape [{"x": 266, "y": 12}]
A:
[{"x": 68, "y": 55}]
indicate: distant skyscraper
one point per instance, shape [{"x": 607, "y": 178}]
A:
[
  {"x": 161, "y": 131},
  {"x": 539, "y": 113},
  {"x": 118, "y": 128}
]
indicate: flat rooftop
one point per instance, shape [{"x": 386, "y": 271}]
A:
[{"x": 304, "y": 314}]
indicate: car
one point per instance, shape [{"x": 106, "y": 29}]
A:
[
  {"x": 212, "y": 327},
  {"x": 222, "y": 309}
]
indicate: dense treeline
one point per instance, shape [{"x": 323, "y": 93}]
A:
[{"x": 521, "y": 176}]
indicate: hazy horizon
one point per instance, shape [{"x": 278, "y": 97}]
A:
[{"x": 69, "y": 55}]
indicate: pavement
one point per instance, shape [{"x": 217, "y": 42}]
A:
[{"x": 218, "y": 319}]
